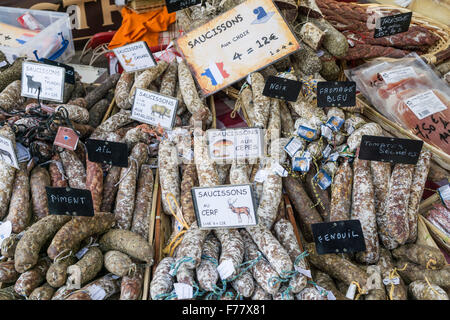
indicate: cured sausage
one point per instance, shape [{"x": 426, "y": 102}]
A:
[
  {"x": 169, "y": 175},
  {"x": 76, "y": 230},
  {"x": 44, "y": 292},
  {"x": 8, "y": 273},
  {"x": 421, "y": 290},
  {"x": 34, "y": 238},
  {"x": 261, "y": 103},
  {"x": 56, "y": 171},
  {"x": 74, "y": 169},
  {"x": 100, "y": 289},
  {"x": 423, "y": 255},
  {"x": 118, "y": 263},
  {"x": 144, "y": 80},
  {"x": 363, "y": 209},
  {"x": 206, "y": 272},
  {"x": 110, "y": 187},
  {"x": 19, "y": 207},
  {"x": 232, "y": 248},
  {"x": 162, "y": 281},
  {"x": 417, "y": 187},
  {"x": 7, "y": 174},
  {"x": 39, "y": 179},
  {"x": 94, "y": 183},
  {"x": 131, "y": 285},
  {"x": 394, "y": 291},
  {"x": 143, "y": 202},
  {"x": 396, "y": 206},
  {"x": 85, "y": 269},
  {"x": 123, "y": 88},
  {"x": 189, "y": 180},
  {"x": 127, "y": 242},
  {"x": 31, "y": 279},
  {"x": 341, "y": 193},
  {"x": 57, "y": 273}
]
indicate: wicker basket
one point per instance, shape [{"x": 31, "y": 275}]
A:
[{"x": 439, "y": 51}]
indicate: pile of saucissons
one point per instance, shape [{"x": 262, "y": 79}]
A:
[{"x": 108, "y": 256}]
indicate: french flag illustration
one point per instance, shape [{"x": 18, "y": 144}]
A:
[{"x": 216, "y": 73}]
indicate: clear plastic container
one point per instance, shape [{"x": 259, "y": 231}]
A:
[{"x": 55, "y": 42}]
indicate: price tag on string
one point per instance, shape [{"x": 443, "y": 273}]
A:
[
  {"x": 394, "y": 281},
  {"x": 282, "y": 88},
  {"x": 183, "y": 291},
  {"x": 338, "y": 237},
  {"x": 390, "y": 25},
  {"x": 336, "y": 94},
  {"x": 176, "y": 5},
  {"x": 444, "y": 194},
  {"x": 293, "y": 146},
  {"x": 243, "y": 40},
  {"x": 113, "y": 153},
  {"x": 388, "y": 149},
  {"x": 225, "y": 269},
  {"x": 66, "y": 138},
  {"x": 70, "y": 201},
  {"x": 44, "y": 80}
]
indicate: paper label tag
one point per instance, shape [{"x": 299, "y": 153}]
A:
[
  {"x": 5, "y": 230},
  {"x": 23, "y": 153},
  {"x": 228, "y": 206},
  {"x": 444, "y": 194},
  {"x": 306, "y": 133},
  {"x": 66, "y": 138},
  {"x": 425, "y": 104},
  {"x": 336, "y": 94},
  {"x": 282, "y": 88},
  {"x": 261, "y": 175},
  {"x": 279, "y": 170},
  {"x": 135, "y": 56},
  {"x": 225, "y": 269},
  {"x": 335, "y": 123},
  {"x": 244, "y": 39},
  {"x": 330, "y": 295},
  {"x": 230, "y": 144},
  {"x": 183, "y": 291},
  {"x": 394, "y": 281},
  {"x": 70, "y": 201},
  {"x": 44, "y": 79},
  {"x": 96, "y": 292},
  {"x": 351, "y": 291},
  {"x": 293, "y": 146},
  {"x": 154, "y": 108},
  {"x": 306, "y": 273},
  {"x": 338, "y": 237},
  {"x": 388, "y": 149},
  {"x": 326, "y": 132},
  {"x": 326, "y": 152},
  {"x": 81, "y": 253},
  {"x": 301, "y": 164},
  {"x": 113, "y": 153},
  {"x": 333, "y": 157},
  {"x": 176, "y": 5},
  {"x": 3, "y": 63},
  {"x": 323, "y": 179},
  {"x": 69, "y": 70},
  {"x": 396, "y": 75},
  {"x": 7, "y": 152},
  {"x": 390, "y": 25}
]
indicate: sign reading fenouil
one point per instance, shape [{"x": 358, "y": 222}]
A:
[
  {"x": 43, "y": 81},
  {"x": 243, "y": 40},
  {"x": 229, "y": 206}
]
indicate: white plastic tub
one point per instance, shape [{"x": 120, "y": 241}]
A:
[{"x": 48, "y": 43}]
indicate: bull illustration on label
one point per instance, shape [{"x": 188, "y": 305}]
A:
[
  {"x": 31, "y": 84},
  {"x": 161, "y": 110},
  {"x": 239, "y": 211}
]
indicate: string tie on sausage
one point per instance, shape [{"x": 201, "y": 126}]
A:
[
  {"x": 300, "y": 257},
  {"x": 177, "y": 264},
  {"x": 247, "y": 265},
  {"x": 392, "y": 275},
  {"x": 285, "y": 276},
  {"x": 285, "y": 293},
  {"x": 321, "y": 290},
  {"x": 431, "y": 261},
  {"x": 128, "y": 171},
  {"x": 59, "y": 258},
  {"x": 431, "y": 287},
  {"x": 360, "y": 291},
  {"x": 170, "y": 248}
]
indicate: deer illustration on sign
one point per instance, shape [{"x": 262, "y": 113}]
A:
[
  {"x": 239, "y": 211},
  {"x": 31, "y": 84}
]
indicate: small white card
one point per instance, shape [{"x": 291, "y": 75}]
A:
[
  {"x": 279, "y": 170},
  {"x": 293, "y": 146},
  {"x": 394, "y": 281},
  {"x": 5, "y": 230},
  {"x": 304, "y": 272},
  {"x": 398, "y": 74},
  {"x": 43, "y": 79},
  {"x": 154, "y": 108},
  {"x": 7, "y": 153},
  {"x": 183, "y": 291},
  {"x": 425, "y": 104},
  {"x": 261, "y": 175},
  {"x": 96, "y": 292},
  {"x": 228, "y": 206},
  {"x": 225, "y": 269},
  {"x": 135, "y": 56}
]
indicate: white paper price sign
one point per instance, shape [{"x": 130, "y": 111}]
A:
[
  {"x": 231, "y": 144},
  {"x": 43, "y": 79},
  {"x": 228, "y": 206},
  {"x": 244, "y": 39},
  {"x": 135, "y": 56},
  {"x": 7, "y": 153},
  {"x": 154, "y": 108}
]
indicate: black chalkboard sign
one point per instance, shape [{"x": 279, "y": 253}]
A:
[
  {"x": 281, "y": 88},
  {"x": 70, "y": 201},
  {"x": 390, "y": 25},
  {"x": 107, "y": 152},
  {"x": 336, "y": 94},
  {"x": 388, "y": 149},
  {"x": 338, "y": 237},
  {"x": 70, "y": 71},
  {"x": 176, "y": 5}
]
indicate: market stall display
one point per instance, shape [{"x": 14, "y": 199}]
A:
[{"x": 132, "y": 189}]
